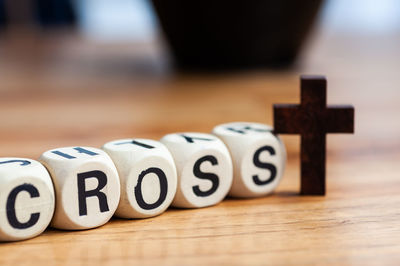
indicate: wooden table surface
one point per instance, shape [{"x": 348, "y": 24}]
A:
[{"x": 58, "y": 89}]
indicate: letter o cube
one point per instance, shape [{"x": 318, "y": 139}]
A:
[
  {"x": 86, "y": 184},
  {"x": 26, "y": 198},
  {"x": 258, "y": 157},
  {"x": 204, "y": 169},
  {"x": 147, "y": 174}
]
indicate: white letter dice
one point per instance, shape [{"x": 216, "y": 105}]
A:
[
  {"x": 258, "y": 157},
  {"x": 148, "y": 176},
  {"x": 26, "y": 198},
  {"x": 87, "y": 186},
  {"x": 204, "y": 169}
]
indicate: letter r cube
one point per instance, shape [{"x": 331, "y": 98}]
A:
[{"x": 86, "y": 184}]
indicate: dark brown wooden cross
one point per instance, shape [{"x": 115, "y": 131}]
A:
[{"x": 313, "y": 120}]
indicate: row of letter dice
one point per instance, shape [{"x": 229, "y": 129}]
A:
[{"x": 77, "y": 188}]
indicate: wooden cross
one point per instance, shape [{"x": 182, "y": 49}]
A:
[{"x": 312, "y": 120}]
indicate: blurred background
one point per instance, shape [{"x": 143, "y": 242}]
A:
[
  {"x": 146, "y": 37},
  {"x": 189, "y": 36},
  {"x": 62, "y": 62}
]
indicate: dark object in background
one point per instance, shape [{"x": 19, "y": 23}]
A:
[
  {"x": 312, "y": 119},
  {"x": 42, "y": 12},
  {"x": 55, "y": 12},
  {"x": 225, "y": 34},
  {"x": 2, "y": 14}
]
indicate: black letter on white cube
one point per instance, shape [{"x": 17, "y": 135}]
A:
[
  {"x": 259, "y": 164},
  {"x": 83, "y": 193},
  {"x": 163, "y": 188},
  {"x": 11, "y": 214},
  {"x": 210, "y": 176}
]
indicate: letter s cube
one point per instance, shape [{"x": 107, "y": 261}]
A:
[
  {"x": 86, "y": 184},
  {"x": 204, "y": 169},
  {"x": 258, "y": 157},
  {"x": 26, "y": 199}
]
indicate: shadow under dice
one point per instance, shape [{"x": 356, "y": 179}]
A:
[
  {"x": 204, "y": 169},
  {"x": 26, "y": 199},
  {"x": 148, "y": 176},
  {"x": 258, "y": 157},
  {"x": 86, "y": 184}
]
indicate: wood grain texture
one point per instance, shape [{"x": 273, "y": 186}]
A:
[{"x": 65, "y": 91}]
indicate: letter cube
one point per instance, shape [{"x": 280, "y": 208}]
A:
[
  {"x": 204, "y": 169},
  {"x": 258, "y": 157},
  {"x": 147, "y": 174},
  {"x": 87, "y": 186},
  {"x": 26, "y": 198}
]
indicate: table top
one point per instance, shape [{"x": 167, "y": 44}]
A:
[{"x": 58, "y": 89}]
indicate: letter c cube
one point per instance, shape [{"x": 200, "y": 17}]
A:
[{"x": 26, "y": 199}]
